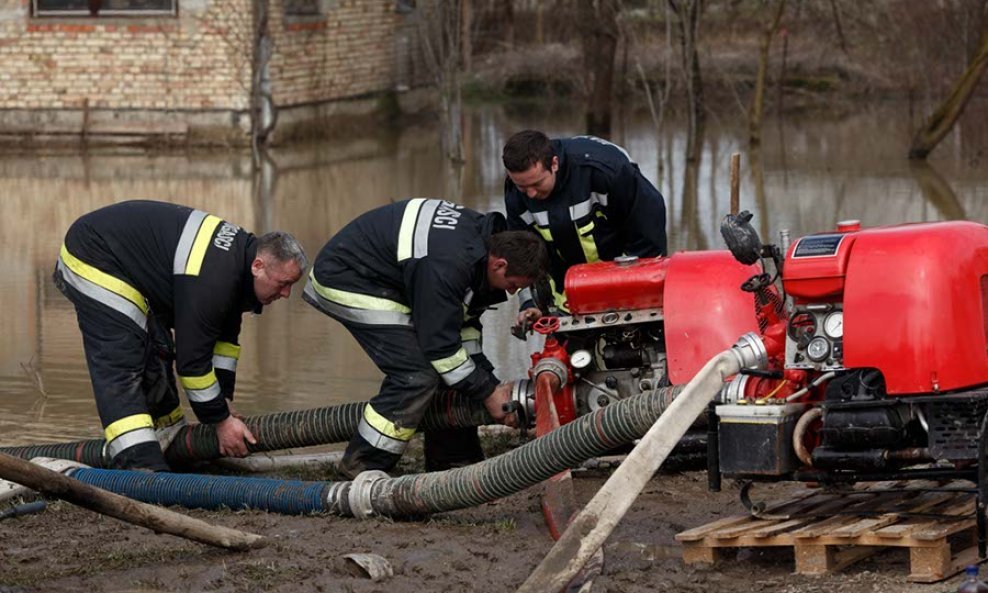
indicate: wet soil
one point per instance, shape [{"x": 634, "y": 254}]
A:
[{"x": 491, "y": 548}]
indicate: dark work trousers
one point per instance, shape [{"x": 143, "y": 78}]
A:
[
  {"x": 408, "y": 387},
  {"x": 131, "y": 373}
]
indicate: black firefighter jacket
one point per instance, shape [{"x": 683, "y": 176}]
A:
[
  {"x": 193, "y": 272},
  {"x": 420, "y": 263},
  {"x": 601, "y": 207}
]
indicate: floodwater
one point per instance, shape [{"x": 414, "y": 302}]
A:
[{"x": 811, "y": 172}]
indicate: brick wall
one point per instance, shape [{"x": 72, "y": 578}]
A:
[
  {"x": 347, "y": 52},
  {"x": 199, "y": 60}
]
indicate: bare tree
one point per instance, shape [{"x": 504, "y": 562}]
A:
[
  {"x": 440, "y": 24},
  {"x": 757, "y": 108},
  {"x": 599, "y": 32},
  {"x": 942, "y": 121},
  {"x": 688, "y": 13},
  {"x": 263, "y": 113}
]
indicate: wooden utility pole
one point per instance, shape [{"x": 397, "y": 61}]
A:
[{"x": 735, "y": 182}]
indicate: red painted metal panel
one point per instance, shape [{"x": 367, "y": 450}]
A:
[
  {"x": 611, "y": 286},
  {"x": 705, "y": 310},
  {"x": 913, "y": 306}
]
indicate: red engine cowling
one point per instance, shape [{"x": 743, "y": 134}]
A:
[
  {"x": 698, "y": 294},
  {"x": 914, "y": 298}
]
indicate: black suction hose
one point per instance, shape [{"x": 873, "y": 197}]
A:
[{"x": 283, "y": 430}]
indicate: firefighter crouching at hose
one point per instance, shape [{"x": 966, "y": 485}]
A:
[
  {"x": 137, "y": 270},
  {"x": 586, "y": 198},
  {"x": 409, "y": 281}
]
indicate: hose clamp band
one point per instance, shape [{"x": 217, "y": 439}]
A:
[
  {"x": 733, "y": 391},
  {"x": 523, "y": 393},
  {"x": 359, "y": 497},
  {"x": 554, "y": 366},
  {"x": 751, "y": 352}
]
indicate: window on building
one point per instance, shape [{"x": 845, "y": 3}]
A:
[
  {"x": 104, "y": 7},
  {"x": 303, "y": 7}
]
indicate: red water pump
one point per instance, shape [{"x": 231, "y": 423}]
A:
[{"x": 882, "y": 369}]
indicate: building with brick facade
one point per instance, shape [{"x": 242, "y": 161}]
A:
[{"x": 182, "y": 68}]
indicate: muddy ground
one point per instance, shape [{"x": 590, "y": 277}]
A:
[{"x": 487, "y": 549}]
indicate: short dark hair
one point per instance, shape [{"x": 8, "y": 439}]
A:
[
  {"x": 283, "y": 248},
  {"x": 526, "y": 148},
  {"x": 524, "y": 251}
]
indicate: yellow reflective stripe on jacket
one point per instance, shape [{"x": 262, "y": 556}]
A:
[
  {"x": 127, "y": 424},
  {"x": 469, "y": 333},
  {"x": 545, "y": 233},
  {"x": 225, "y": 356},
  {"x": 472, "y": 339},
  {"x": 194, "y": 241},
  {"x": 170, "y": 419},
  {"x": 456, "y": 368},
  {"x": 385, "y": 426},
  {"x": 357, "y": 300},
  {"x": 101, "y": 278},
  {"x": 444, "y": 365},
  {"x": 587, "y": 243},
  {"x": 406, "y": 232},
  {"x": 200, "y": 389}
]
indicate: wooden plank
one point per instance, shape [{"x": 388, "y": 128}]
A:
[
  {"x": 814, "y": 559},
  {"x": 696, "y": 554},
  {"x": 698, "y": 533},
  {"x": 929, "y": 564},
  {"x": 778, "y": 528}
]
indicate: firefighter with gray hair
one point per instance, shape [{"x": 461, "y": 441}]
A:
[{"x": 157, "y": 285}]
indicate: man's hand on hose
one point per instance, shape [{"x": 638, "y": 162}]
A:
[
  {"x": 495, "y": 402},
  {"x": 231, "y": 434}
]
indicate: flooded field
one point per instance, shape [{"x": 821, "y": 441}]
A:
[{"x": 810, "y": 173}]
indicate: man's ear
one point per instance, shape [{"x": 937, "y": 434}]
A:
[
  {"x": 498, "y": 263},
  {"x": 554, "y": 166},
  {"x": 256, "y": 266}
]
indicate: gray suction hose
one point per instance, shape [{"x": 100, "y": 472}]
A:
[{"x": 374, "y": 493}]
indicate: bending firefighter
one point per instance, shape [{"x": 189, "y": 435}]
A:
[
  {"x": 586, "y": 198},
  {"x": 137, "y": 270},
  {"x": 410, "y": 281}
]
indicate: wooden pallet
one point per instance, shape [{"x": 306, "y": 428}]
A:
[{"x": 868, "y": 522}]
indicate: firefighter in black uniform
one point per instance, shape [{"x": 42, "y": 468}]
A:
[
  {"x": 586, "y": 198},
  {"x": 138, "y": 270},
  {"x": 409, "y": 280}
]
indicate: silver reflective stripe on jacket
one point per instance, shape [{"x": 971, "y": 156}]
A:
[
  {"x": 584, "y": 208},
  {"x": 129, "y": 439},
  {"x": 187, "y": 240},
  {"x": 203, "y": 395},
  {"x": 102, "y": 295},
  {"x": 365, "y": 316},
  {"x": 380, "y": 441},
  {"x": 227, "y": 363}
]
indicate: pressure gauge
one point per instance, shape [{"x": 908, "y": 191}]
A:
[
  {"x": 818, "y": 349},
  {"x": 833, "y": 325},
  {"x": 580, "y": 359}
]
